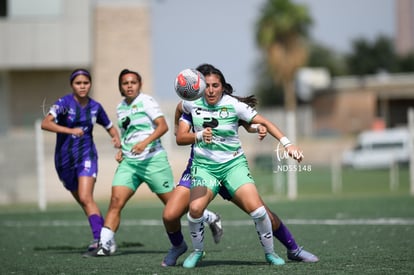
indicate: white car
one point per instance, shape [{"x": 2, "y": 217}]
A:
[{"x": 379, "y": 149}]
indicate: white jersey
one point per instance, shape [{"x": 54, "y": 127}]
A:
[
  {"x": 136, "y": 123},
  {"x": 223, "y": 118}
]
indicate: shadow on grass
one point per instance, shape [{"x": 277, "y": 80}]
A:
[
  {"x": 207, "y": 263},
  {"x": 77, "y": 248},
  {"x": 129, "y": 252}
]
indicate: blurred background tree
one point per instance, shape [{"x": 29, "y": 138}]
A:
[
  {"x": 406, "y": 63},
  {"x": 282, "y": 34},
  {"x": 372, "y": 57},
  {"x": 322, "y": 56}
]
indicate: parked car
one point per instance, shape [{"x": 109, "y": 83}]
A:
[{"x": 379, "y": 149}]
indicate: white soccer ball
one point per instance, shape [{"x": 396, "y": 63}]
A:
[{"x": 190, "y": 84}]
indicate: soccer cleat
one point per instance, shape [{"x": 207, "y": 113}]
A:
[
  {"x": 99, "y": 251},
  {"x": 216, "y": 229},
  {"x": 192, "y": 260},
  {"x": 301, "y": 255},
  {"x": 112, "y": 247},
  {"x": 93, "y": 245},
  {"x": 274, "y": 259},
  {"x": 173, "y": 253}
]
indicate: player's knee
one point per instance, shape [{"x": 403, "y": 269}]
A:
[
  {"x": 171, "y": 215},
  {"x": 259, "y": 213},
  {"x": 196, "y": 210},
  {"x": 116, "y": 203},
  {"x": 86, "y": 201}
]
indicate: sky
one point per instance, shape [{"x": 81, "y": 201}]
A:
[{"x": 187, "y": 33}]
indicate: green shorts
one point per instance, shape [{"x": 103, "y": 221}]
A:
[
  {"x": 231, "y": 174},
  {"x": 155, "y": 171}
]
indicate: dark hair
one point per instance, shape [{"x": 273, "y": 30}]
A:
[
  {"x": 124, "y": 72},
  {"x": 208, "y": 69},
  {"x": 77, "y": 72}
]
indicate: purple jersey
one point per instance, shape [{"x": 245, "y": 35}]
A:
[{"x": 77, "y": 154}]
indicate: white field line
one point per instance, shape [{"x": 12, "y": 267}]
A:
[{"x": 129, "y": 222}]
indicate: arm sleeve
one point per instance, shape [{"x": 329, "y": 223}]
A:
[
  {"x": 58, "y": 108},
  {"x": 152, "y": 108},
  {"x": 186, "y": 107},
  {"x": 186, "y": 118},
  {"x": 245, "y": 112},
  {"x": 103, "y": 119}
]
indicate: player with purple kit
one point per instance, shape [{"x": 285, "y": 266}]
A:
[{"x": 72, "y": 118}]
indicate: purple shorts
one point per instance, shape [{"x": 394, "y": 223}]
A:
[
  {"x": 186, "y": 179},
  {"x": 69, "y": 175}
]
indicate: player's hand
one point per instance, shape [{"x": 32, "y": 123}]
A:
[
  {"x": 138, "y": 148},
  {"x": 116, "y": 142},
  {"x": 295, "y": 152},
  {"x": 77, "y": 132},
  {"x": 208, "y": 135},
  {"x": 261, "y": 132},
  {"x": 118, "y": 156}
]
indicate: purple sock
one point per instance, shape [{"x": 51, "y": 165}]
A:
[
  {"x": 285, "y": 237},
  {"x": 176, "y": 238},
  {"x": 96, "y": 222}
]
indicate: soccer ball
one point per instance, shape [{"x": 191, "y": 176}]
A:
[{"x": 190, "y": 84}]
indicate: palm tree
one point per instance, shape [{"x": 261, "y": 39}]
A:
[{"x": 280, "y": 33}]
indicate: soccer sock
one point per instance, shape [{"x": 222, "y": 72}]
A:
[
  {"x": 196, "y": 227},
  {"x": 96, "y": 222},
  {"x": 107, "y": 235},
  {"x": 209, "y": 217},
  {"x": 176, "y": 238},
  {"x": 263, "y": 228},
  {"x": 285, "y": 237}
]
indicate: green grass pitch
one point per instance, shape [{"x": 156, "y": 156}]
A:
[{"x": 366, "y": 229}]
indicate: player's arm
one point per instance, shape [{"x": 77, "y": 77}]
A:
[
  {"x": 116, "y": 141},
  {"x": 50, "y": 125},
  {"x": 292, "y": 149},
  {"x": 178, "y": 113},
  {"x": 161, "y": 128},
  {"x": 271, "y": 128},
  {"x": 103, "y": 120},
  {"x": 184, "y": 135},
  {"x": 255, "y": 128}
]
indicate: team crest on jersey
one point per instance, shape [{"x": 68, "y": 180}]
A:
[
  {"x": 136, "y": 108},
  {"x": 224, "y": 112},
  {"x": 71, "y": 114}
]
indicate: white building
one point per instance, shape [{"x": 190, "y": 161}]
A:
[{"x": 41, "y": 42}]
